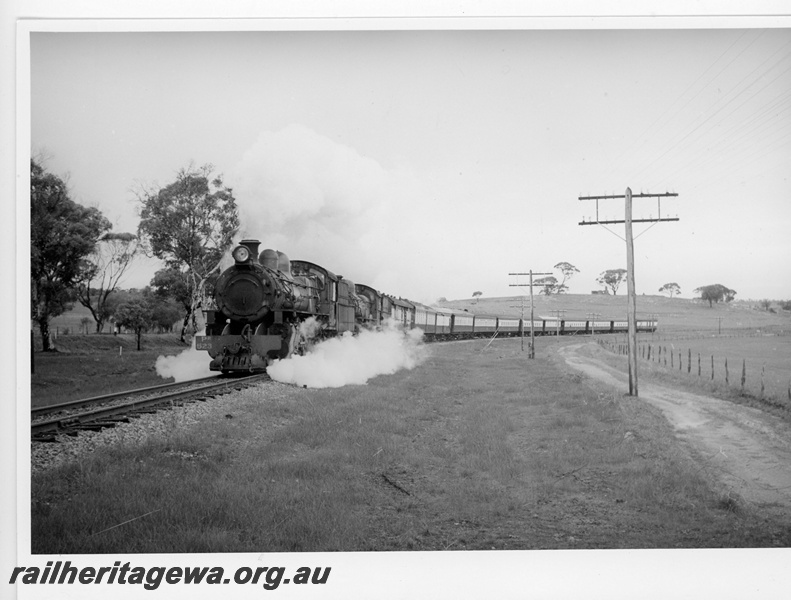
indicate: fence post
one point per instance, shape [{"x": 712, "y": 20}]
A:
[
  {"x": 698, "y": 364},
  {"x": 726, "y": 371},
  {"x": 712, "y": 367},
  {"x": 689, "y": 360},
  {"x": 679, "y": 360},
  {"x": 671, "y": 360},
  {"x": 744, "y": 373},
  {"x": 762, "y": 381}
]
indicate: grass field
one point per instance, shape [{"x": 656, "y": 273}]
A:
[
  {"x": 92, "y": 365},
  {"x": 477, "y": 448},
  {"x": 72, "y": 322},
  {"x": 765, "y": 362},
  {"x": 741, "y": 333}
]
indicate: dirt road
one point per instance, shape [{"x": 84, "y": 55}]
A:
[{"x": 749, "y": 451}]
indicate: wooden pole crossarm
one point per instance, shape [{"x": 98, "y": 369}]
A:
[
  {"x": 617, "y": 222},
  {"x": 622, "y": 196}
]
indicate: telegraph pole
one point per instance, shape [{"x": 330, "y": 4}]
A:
[
  {"x": 532, "y": 353},
  {"x": 631, "y": 293},
  {"x": 522, "y": 316},
  {"x": 559, "y": 314},
  {"x": 593, "y": 316}
]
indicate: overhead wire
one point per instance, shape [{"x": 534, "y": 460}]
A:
[
  {"x": 636, "y": 145},
  {"x": 728, "y": 143},
  {"x": 716, "y": 112},
  {"x": 766, "y": 117},
  {"x": 741, "y": 138}
]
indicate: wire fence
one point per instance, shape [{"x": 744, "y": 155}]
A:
[
  {"x": 668, "y": 335},
  {"x": 746, "y": 374}
]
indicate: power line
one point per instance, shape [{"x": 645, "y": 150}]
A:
[{"x": 634, "y": 148}]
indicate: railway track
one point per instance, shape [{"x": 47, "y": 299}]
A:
[{"x": 109, "y": 410}]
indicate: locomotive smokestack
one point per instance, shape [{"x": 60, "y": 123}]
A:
[{"x": 252, "y": 246}]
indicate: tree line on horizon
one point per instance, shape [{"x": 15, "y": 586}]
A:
[{"x": 611, "y": 280}]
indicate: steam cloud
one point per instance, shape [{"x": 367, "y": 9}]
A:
[
  {"x": 352, "y": 359},
  {"x": 190, "y": 364},
  {"x": 318, "y": 200}
]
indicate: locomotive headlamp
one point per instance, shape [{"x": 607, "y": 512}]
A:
[{"x": 240, "y": 254}]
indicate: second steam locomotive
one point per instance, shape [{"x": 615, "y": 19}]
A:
[{"x": 268, "y": 307}]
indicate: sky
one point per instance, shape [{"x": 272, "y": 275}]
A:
[{"x": 434, "y": 163}]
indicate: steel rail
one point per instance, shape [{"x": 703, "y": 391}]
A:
[
  {"x": 108, "y": 416},
  {"x": 44, "y": 410}
]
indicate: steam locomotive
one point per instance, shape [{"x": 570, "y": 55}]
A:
[{"x": 267, "y": 307}]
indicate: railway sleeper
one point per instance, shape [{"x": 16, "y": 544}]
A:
[
  {"x": 112, "y": 421},
  {"x": 93, "y": 426},
  {"x": 119, "y": 419}
]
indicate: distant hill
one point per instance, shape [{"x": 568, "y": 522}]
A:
[
  {"x": 673, "y": 314},
  {"x": 676, "y": 314}
]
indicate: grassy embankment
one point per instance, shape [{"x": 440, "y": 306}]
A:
[
  {"x": 94, "y": 364},
  {"x": 478, "y": 448}
]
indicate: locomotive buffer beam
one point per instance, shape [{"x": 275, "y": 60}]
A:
[{"x": 225, "y": 349}]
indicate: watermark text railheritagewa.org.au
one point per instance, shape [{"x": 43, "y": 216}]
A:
[{"x": 64, "y": 573}]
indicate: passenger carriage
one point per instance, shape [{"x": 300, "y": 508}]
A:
[
  {"x": 485, "y": 325},
  {"x": 403, "y": 312},
  {"x": 507, "y": 326}
]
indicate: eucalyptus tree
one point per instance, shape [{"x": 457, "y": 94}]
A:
[
  {"x": 135, "y": 314},
  {"x": 105, "y": 268},
  {"x": 671, "y": 289},
  {"x": 612, "y": 278},
  {"x": 549, "y": 285},
  {"x": 190, "y": 224},
  {"x": 63, "y": 233},
  {"x": 568, "y": 270},
  {"x": 715, "y": 293}
]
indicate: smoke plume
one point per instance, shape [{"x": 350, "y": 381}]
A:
[
  {"x": 190, "y": 364},
  {"x": 349, "y": 359},
  {"x": 318, "y": 200}
]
